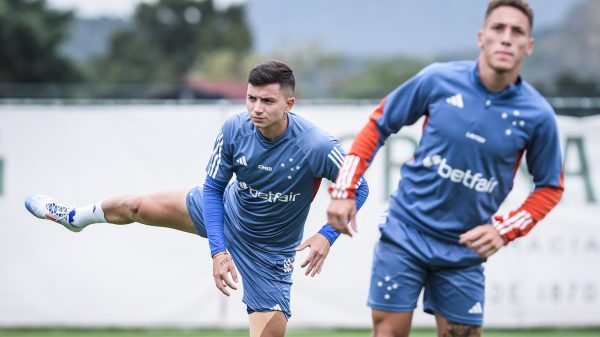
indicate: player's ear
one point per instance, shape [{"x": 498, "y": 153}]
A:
[
  {"x": 480, "y": 39},
  {"x": 290, "y": 103},
  {"x": 530, "y": 45}
]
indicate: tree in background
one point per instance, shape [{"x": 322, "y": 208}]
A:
[
  {"x": 170, "y": 38},
  {"x": 30, "y": 37},
  {"x": 568, "y": 84},
  {"x": 380, "y": 77}
]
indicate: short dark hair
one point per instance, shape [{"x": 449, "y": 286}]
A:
[
  {"x": 521, "y": 5},
  {"x": 271, "y": 71}
]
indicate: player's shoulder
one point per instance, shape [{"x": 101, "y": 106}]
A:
[
  {"x": 238, "y": 119},
  {"x": 533, "y": 96},
  {"x": 309, "y": 135},
  {"x": 237, "y": 124},
  {"x": 446, "y": 69},
  {"x": 436, "y": 73}
]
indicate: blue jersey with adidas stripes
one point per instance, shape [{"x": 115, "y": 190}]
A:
[
  {"x": 472, "y": 143},
  {"x": 275, "y": 181}
]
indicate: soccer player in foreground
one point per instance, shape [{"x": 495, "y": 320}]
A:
[
  {"x": 480, "y": 117},
  {"x": 278, "y": 158}
]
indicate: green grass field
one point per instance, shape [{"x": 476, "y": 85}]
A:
[{"x": 291, "y": 333}]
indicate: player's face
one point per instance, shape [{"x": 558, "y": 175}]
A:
[
  {"x": 268, "y": 106},
  {"x": 505, "y": 40}
]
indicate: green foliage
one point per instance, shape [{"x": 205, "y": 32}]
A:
[
  {"x": 380, "y": 78},
  {"x": 169, "y": 38},
  {"x": 30, "y": 37},
  {"x": 317, "y": 73},
  {"x": 224, "y": 64},
  {"x": 323, "y": 75}
]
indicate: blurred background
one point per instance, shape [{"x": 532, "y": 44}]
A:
[
  {"x": 178, "y": 49},
  {"x": 107, "y": 97}
]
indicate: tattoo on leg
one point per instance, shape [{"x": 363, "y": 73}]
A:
[{"x": 461, "y": 330}]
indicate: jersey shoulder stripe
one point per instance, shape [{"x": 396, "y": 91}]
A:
[
  {"x": 336, "y": 157},
  {"x": 215, "y": 158}
]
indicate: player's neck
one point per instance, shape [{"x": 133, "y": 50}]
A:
[
  {"x": 496, "y": 80},
  {"x": 275, "y": 130}
]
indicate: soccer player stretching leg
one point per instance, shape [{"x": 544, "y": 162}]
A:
[
  {"x": 480, "y": 118},
  {"x": 279, "y": 159}
]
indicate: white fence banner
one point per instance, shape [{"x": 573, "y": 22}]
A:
[{"x": 138, "y": 276}]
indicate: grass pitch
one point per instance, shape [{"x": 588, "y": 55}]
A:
[{"x": 291, "y": 333}]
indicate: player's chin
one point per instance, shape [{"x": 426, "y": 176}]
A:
[
  {"x": 259, "y": 122},
  {"x": 503, "y": 66}
]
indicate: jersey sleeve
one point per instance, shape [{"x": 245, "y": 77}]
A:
[
  {"x": 362, "y": 192},
  {"x": 544, "y": 157},
  {"x": 544, "y": 161},
  {"x": 220, "y": 164},
  {"x": 324, "y": 153},
  {"x": 403, "y": 106},
  {"x": 326, "y": 156},
  {"x": 214, "y": 213},
  {"x": 219, "y": 171}
]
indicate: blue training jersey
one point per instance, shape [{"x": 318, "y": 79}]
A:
[
  {"x": 275, "y": 181},
  {"x": 472, "y": 143}
]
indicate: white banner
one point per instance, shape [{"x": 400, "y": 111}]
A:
[{"x": 137, "y": 276}]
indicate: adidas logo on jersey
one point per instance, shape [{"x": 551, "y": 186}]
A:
[
  {"x": 455, "y": 100},
  {"x": 477, "y": 309},
  {"x": 242, "y": 161}
]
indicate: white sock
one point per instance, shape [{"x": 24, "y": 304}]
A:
[{"x": 86, "y": 215}]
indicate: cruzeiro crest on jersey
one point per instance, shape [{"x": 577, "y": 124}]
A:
[
  {"x": 291, "y": 167},
  {"x": 515, "y": 121}
]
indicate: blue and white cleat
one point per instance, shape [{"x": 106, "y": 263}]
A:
[{"x": 44, "y": 207}]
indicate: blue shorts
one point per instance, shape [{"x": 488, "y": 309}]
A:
[
  {"x": 451, "y": 274},
  {"x": 266, "y": 283}
]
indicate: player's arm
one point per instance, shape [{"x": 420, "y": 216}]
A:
[
  {"x": 361, "y": 194},
  {"x": 214, "y": 214},
  {"x": 344, "y": 192},
  {"x": 321, "y": 242},
  {"x": 544, "y": 162},
  {"x": 404, "y": 106},
  {"x": 326, "y": 163},
  {"x": 218, "y": 172},
  {"x": 520, "y": 221},
  {"x": 331, "y": 171},
  {"x": 487, "y": 239}
]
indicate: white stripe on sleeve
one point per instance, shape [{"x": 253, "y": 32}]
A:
[{"x": 215, "y": 160}]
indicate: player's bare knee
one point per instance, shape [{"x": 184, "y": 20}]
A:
[
  {"x": 457, "y": 329},
  {"x": 388, "y": 329},
  {"x": 276, "y": 326},
  {"x": 133, "y": 207}
]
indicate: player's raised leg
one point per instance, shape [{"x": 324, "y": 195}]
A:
[
  {"x": 162, "y": 209},
  {"x": 267, "y": 324}
]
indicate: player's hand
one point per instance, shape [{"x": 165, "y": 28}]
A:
[
  {"x": 319, "y": 248},
  {"x": 222, "y": 267},
  {"x": 484, "y": 240},
  {"x": 338, "y": 214}
]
